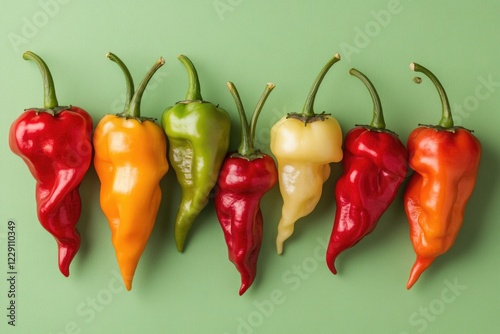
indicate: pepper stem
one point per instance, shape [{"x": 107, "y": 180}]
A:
[
  {"x": 247, "y": 148},
  {"x": 246, "y": 145},
  {"x": 446, "y": 118},
  {"x": 49, "y": 98},
  {"x": 194, "y": 90},
  {"x": 308, "y": 110},
  {"x": 134, "y": 107},
  {"x": 128, "y": 78},
  {"x": 378, "y": 115},
  {"x": 253, "y": 123}
]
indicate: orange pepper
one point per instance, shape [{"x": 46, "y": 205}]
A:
[
  {"x": 445, "y": 159},
  {"x": 130, "y": 160}
]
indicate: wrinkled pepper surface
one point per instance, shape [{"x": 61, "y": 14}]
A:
[
  {"x": 244, "y": 178},
  {"x": 55, "y": 143},
  {"x": 130, "y": 160},
  {"x": 198, "y": 134},
  {"x": 375, "y": 164},
  {"x": 445, "y": 159},
  {"x": 304, "y": 145}
]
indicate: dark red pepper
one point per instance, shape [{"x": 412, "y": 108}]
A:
[
  {"x": 375, "y": 165},
  {"x": 243, "y": 179},
  {"x": 55, "y": 144}
]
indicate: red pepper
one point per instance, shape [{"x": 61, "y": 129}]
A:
[
  {"x": 375, "y": 165},
  {"x": 243, "y": 179},
  {"x": 55, "y": 144}
]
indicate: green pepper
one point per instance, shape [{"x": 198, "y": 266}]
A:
[{"x": 198, "y": 134}]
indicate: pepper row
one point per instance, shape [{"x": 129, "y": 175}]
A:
[{"x": 129, "y": 153}]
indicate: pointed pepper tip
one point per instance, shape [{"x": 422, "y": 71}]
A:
[
  {"x": 243, "y": 288},
  {"x": 420, "y": 265},
  {"x": 331, "y": 266}
]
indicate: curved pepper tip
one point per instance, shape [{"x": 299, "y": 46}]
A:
[
  {"x": 279, "y": 247},
  {"x": 66, "y": 253},
  {"x": 246, "y": 282},
  {"x": 179, "y": 243},
  {"x": 331, "y": 266},
  {"x": 285, "y": 230},
  {"x": 183, "y": 223},
  {"x": 334, "y": 249},
  {"x": 64, "y": 270},
  {"x": 421, "y": 264},
  {"x": 244, "y": 287}
]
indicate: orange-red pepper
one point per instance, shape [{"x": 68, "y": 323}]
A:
[{"x": 445, "y": 159}]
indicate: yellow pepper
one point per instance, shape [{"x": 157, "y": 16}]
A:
[
  {"x": 130, "y": 160},
  {"x": 304, "y": 146}
]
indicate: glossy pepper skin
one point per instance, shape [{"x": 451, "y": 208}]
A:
[
  {"x": 198, "y": 134},
  {"x": 55, "y": 143},
  {"x": 445, "y": 159},
  {"x": 375, "y": 164},
  {"x": 304, "y": 145},
  {"x": 130, "y": 160},
  {"x": 245, "y": 176}
]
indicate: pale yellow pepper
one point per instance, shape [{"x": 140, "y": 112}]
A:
[{"x": 304, "y": 145}]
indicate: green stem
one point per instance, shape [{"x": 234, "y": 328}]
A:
[
  {"x": 134, "y": 108},
  {"x": 128, "y": 78},
  {"x": 247, "y": 148},
  {"x": 253, "y": 123},
  {"x": 194, "y": 90},
  {"x": 308, "y": 106},
  {"x": 49, "y": 98},
  {"x": 246, "y": 145},
  {"x": 378, "y": 115},
  {"x": 446, "y": 118}
]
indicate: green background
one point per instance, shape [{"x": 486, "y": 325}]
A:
[{"x": 251, "y": 43}]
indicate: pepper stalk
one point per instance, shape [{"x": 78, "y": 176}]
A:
[
  {"x": 194, "y": 89},
  {"x": 378, "y": 122},
  {"x": 128, "y": 78},
  {"x": 132, "y": 108},
  {"x": 50, "y": 103},
  {"x": 446, "y": 121},
  {"x": 308, "y": 115},
  {"x": 247, "y": 149}
]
